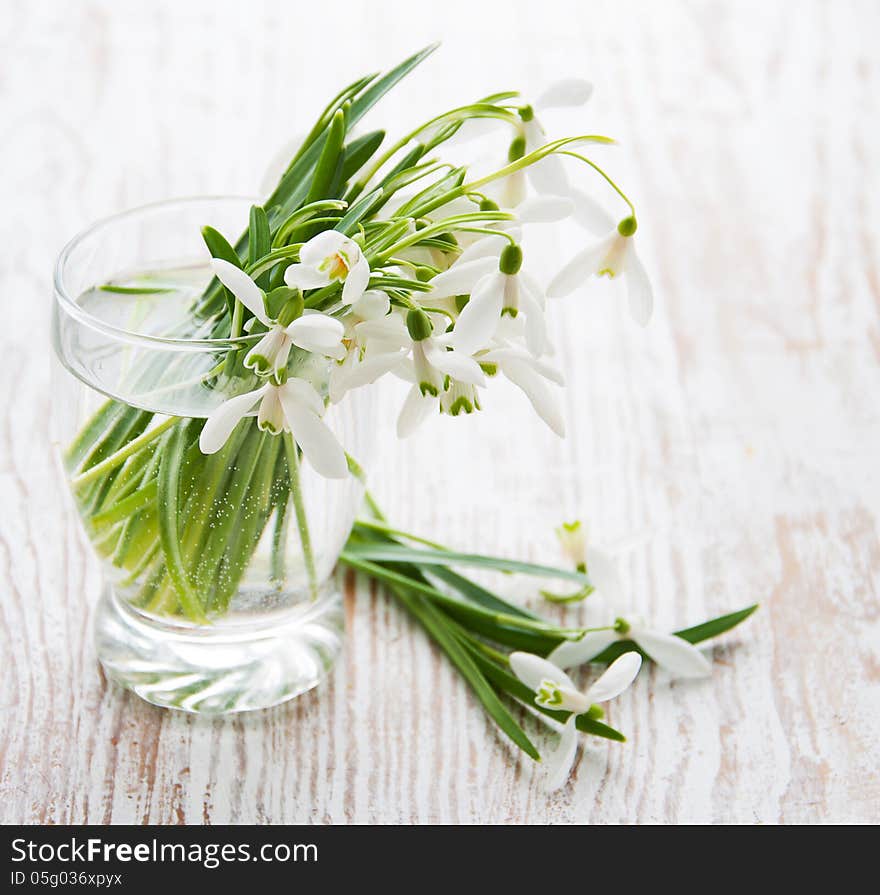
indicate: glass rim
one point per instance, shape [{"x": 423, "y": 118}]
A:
[{"x": 76, "y": 310}]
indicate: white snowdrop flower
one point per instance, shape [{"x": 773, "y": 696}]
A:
[
  {"x": 295, "y": 407},
  {"x": 331, "y": 256},
  {"x": 548, "y": 175},
  {"x": 375, "y": 342},
  {"x": 311, "y": 331},
  {"x": 531, "y": 375},
  {"x": 589, "y": 559},
  {"x": 554, "y": 689},
  {"x": 680, "y": 658},
  {"x": 612, "y": 256}
]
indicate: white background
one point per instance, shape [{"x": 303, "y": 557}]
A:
[{"x": 729, "y": 452}]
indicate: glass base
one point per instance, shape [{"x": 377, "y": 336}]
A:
[{"x": 235, "y": 666}]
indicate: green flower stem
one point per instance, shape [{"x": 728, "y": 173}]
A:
[
  {"x": 125, "y": 507},
  {"x": 452, "y": 604},
  {"x": 299, "y": 508},
  {"x": 434, "y": 622},
  {"x": 114, "y": 460},
  {"x": 443, "y": 226},
  {"x": 453, "y": 116},
  {"x": 599, "y": 171},
  {"x": 279, "y": 543}
]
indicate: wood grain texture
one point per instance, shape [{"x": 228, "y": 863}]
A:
[{"x": 730, "y": 451}]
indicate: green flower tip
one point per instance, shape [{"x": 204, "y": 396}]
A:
[
  {"x": 511, "y": 260},
  {"x": 488, "y": 205},
  {"x": 419, "y": 325},
  {"x": 526, "y": 113},
  {"x": 595, "y": 712},
  {"x": 292, "y": 308},
  {"x": 622, "y": 626},
  {"x": 423, "y": 274},
  {"x": 517, "y": 149},
  {"x": 280, "y": 376},
  {"x": 628, "y": 226}
]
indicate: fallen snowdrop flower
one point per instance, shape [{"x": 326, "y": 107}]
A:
[
  {"x": 674, "y": 654},
  {"x": 554, "y": 689}
]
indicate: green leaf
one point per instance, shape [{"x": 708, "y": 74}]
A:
[
  {"x": 135, "y": 290},
  {"x": 477, "y": 593},
  {"x": 359, "y": 209},
  {"x": 330, "y": 160},
  {"x": 168, "y": 502},
  {"x": 219, "y": 247},
  {"x": 391, "y": 553},
  {"x": 359, "y": 152},
  {"x": 259, "y": 240},
  {"x": 697, "y": 634},
  {"x": 518, "y": 690},
  {"x": 716, "y": 626},
  {"x": 433, "y": 622}
]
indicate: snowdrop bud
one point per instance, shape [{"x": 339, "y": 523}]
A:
[
  {"x": 292, "y": 308},
  {"x": 526, "y": 113},
  {"x": 489, "y": 205},
  {"x": 622, "y": 626},
  {"x": 419, "y": 325},
  {"x": 595, "y": 713},
  {"x": 423, "y": 274},
  {"x": 628, "y": 226},
  {"x": 511, "y": 260},
  {"x": 517, "y": 149}
]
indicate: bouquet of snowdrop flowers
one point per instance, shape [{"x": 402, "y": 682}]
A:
[{"x": 364, "y": 262}]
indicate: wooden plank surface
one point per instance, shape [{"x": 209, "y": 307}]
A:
[{"x": 729, "y": 452}]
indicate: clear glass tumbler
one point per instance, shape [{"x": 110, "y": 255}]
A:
[{"x": 219, "y": 592}]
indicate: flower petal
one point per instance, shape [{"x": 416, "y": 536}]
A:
[
  {"x": 532, "y": 670},
  {"x": 416, "y": 409},
  {"x": 677, "y": 656},
  {"x": 536, "y": 326},
  {"x": 638, "y": 287},
  {"x": 544, "y": 209},
  {"x": 536, "y": 390},
  {"x": 620, "y": 674},
  {"x": 582, "y": 266},
  {"x": 479, "y": 318},
  {"x": 372, "y": 305},
  {"x": 319, "y": 333},
  {"x": 571, "y": 653},
  {"x": 219, "y": 425},
  {"x": 306, "y": 394},
  {"x": 548, "y": 176},
  {"x": 356, "y": 281},
  {"x": 242, "y": 287},
  {"x": 604, "y": 575},
  {"x": 561, "y": 760},
  {"x": 590, "y": 214},
  {"x": 453, "y": 363},
  {"x": 305, "y": 277},
  {"x": 328, "y": 242},
  {"x": 488, "y": 246},
  {"x": 460, "y": 279},
  {"x": 351, "y": 375},
  {"x": 565, "y": 93},
  {"x": 319, "y": 445}
]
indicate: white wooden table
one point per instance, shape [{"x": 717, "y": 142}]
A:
[{"x": 731, "y": 451}]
